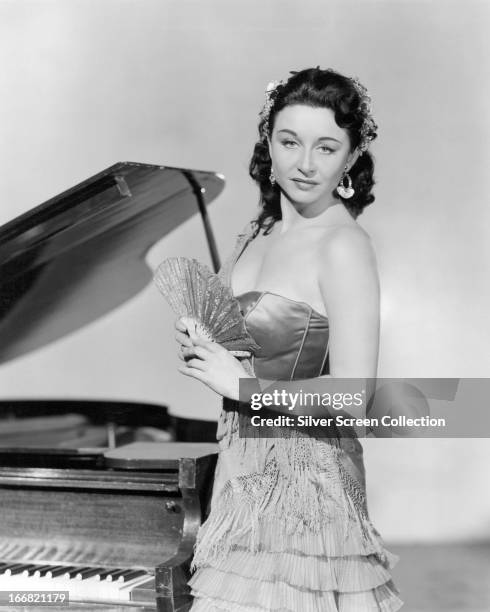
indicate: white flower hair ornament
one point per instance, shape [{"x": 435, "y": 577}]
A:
[
  {"x": 369, "y": 126},
  {"x": 270, "y": 96}
]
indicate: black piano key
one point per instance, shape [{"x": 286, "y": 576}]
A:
[
  {"x": 15, "y": 568},
  {"x": 68, "y": 569},
  {"x": 113, "y": 576},
  {"x": 47, "y": 568},
  {"x": 88, "y": 572},
  {"x": 31, "y": 570},
  {"x": 71, "y": 572},
  {"x": 28, "y": 569},
  {"x": 131, "y": 575},
  {"x": 59, "y": 570},
  {"x": 13, "y": 564},
  {"x": 102, "y": 575},
  {"x": 40, "y": 570}
]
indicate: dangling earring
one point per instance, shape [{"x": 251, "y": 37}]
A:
[
  {"x": 342, "y": 190},
  {"x": 272, "y": 177}
]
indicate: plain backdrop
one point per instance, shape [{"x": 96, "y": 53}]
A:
[{"x": 87, "y": 83}]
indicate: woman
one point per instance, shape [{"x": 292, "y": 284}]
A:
[{"x": 289, "y": 527}]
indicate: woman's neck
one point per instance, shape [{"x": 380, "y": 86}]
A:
[{"x": 331, "y": 214}]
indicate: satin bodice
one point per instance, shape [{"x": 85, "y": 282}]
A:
[{"x": 293, "y": 338}]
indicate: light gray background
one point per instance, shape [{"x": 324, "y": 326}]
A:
[{"x": 87, "y": 83}]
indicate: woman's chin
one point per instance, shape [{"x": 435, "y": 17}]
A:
[{"x": 297, "y": 195}]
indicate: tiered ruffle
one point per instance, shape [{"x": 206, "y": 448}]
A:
[
  {"x": 266, "y": 581},
  {"x": 272, "y": 567},
  {"x": 228, "y": 593}
]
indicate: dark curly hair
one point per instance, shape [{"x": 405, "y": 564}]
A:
[{"x": 317, "y": 88}]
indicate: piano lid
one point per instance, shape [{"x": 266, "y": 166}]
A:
[{"x": 81, "y": 254}]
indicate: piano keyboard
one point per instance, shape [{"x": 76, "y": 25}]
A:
[{"x": 84, "y": 584}]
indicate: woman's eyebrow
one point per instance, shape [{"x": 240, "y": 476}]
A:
[{"x": 321, "y": 138}]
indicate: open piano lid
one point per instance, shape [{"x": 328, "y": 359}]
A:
[{"x": 81, "y": 254}]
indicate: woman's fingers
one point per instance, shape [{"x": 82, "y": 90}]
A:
[
  {"x": 181, "y": 325},
  {"x": 193, "y": 372},
  {"x": 185, "y": 330},
  {"x": 183, "y": 339},
  {"x": 186, "y": 353},
  {"x": 189, "y": 341},
  {"x": 186, "y": 325},
  {"x": 196, "y": 364},
  {"x": 196, "y": 351},
  {"x": 201, "y": 351},
  {"x": 207, "y": 344}
]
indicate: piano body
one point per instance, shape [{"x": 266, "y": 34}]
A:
[
  {"x": 113, "y": 526},
  {"x": 115, "y": 529}
]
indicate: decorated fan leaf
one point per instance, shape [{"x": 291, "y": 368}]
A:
[{"x": 193, "y": 291}]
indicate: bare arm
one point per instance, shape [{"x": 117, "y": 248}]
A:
[{"x": 350, "y": 288}]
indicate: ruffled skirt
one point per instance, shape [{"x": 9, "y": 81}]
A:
[{"x": 295, "y": 541}]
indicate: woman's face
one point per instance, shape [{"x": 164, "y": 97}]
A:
[{"x": 309, "y": 152}]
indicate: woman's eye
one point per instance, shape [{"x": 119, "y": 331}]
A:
[
  {"x": 325, "y": 149},
  {"x": 288, "y": 143}
]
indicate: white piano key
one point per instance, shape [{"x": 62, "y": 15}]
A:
[{"x": 86, "y": 590}]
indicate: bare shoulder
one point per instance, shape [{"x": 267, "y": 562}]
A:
[
  {"x": 347, "y": 245},
  {"x": 348, "y": 270}
]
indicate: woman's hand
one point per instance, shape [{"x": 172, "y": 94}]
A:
[
  {"x": 213, "y": 365},
  {"x": 183, "y": 332}
]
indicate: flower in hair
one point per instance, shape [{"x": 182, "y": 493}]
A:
[
  {"x": 270, "y": 94},
  {"x": 369, "y": 127}
]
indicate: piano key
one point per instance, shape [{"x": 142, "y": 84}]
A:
[
  {"x": 131, "y": 574},
  {"x": 40, "y": 570},
  {"x": 71, "y": 572},
  {"x": 115, "y": 575},
  {"x": 83, "y": 574},
  {"x": 103, "y": 575},
  {"x": 91, "y": 589},
  {"x": 55, "y": 571},
  {"x": 15, "y": 568},
  {"x": 126, "y": 588}
]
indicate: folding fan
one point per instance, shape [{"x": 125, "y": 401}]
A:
[{"x": 193, "y": 291}]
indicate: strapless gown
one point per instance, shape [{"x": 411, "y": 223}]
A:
[{"x": 288, "y": 528}]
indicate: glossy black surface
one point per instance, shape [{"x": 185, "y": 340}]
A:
[{"x": 81, "y": 254}]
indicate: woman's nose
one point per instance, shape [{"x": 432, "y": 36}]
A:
[{"x": 305, "y": 164}]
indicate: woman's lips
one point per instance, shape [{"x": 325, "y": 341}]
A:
[{"x": 304, "y": 184}]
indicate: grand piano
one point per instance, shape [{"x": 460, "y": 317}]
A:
[{"x": 109, "y": 519}]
